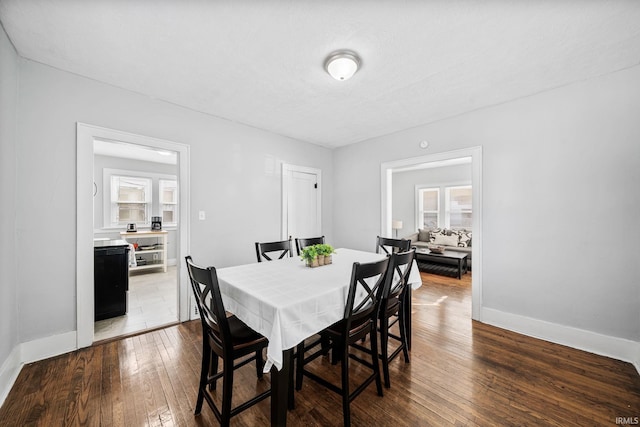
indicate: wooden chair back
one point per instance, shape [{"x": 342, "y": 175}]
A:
[
  {"x": 270, "y": 250},
  {"x": 206, "y": 289},
  {"x": 398, "y": 274},
  {"x": 302, "y": 243},
  {"x": 365, "y": 291},
  {"x": 389, "y": 246}
]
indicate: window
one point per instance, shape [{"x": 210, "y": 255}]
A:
[
  {"x": 168, "y": 201},
  {"x": 458, "y": 213},
  {"x": 134, "y": 196},
  {"x": 130, "y": 200},
  {"x": 428, "y": 208},
  {"x": 444, "y": 207}
]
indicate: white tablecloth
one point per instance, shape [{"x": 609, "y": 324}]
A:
[{"x": 288, "y": 302}]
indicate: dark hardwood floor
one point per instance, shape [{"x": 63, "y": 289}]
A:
[{"x": 461, "y": 373}]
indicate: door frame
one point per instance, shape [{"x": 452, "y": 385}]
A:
[
  {"x": 386, "y": 172},
  {"x": 85, "y": 135},
  {"x": 287, "y": 169}
]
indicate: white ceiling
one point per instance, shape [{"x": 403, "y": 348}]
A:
[{"x": 261, "y": 62}]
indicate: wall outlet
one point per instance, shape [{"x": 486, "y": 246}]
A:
[
  {"x": 195, "y": 313},
  {"x": 155, "y": 257},
  {"x": 201, "y": 216}
]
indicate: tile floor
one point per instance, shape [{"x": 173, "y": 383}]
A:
[{"x": 153, "y": 302}]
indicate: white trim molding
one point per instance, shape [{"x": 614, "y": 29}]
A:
[
  {"x": 46, "y": 347},
  {"x": 473, "y": 154},
  {"x": 85, "y": 136},
  {"x": 9, "y": 373},
  {"x": 32, "y": 351},
  {"x": 592, "y": 342}
]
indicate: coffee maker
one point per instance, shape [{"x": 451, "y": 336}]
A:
[{"x": 156, "y": 223}]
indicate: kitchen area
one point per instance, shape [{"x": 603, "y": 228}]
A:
[{"x": 135, "y": 225}]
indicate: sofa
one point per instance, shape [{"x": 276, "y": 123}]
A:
[{"x": 458, "y": 240}]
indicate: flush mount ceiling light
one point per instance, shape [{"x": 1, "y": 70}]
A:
[{"x": 342, "y": 65}]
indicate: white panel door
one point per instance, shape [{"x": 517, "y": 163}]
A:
[{"x": 301, "y": 202}]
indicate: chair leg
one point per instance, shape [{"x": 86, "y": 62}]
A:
[
  {"x": 204, "y": 368},
  {"x": 384, "y": 354},
  {"x": 213, "y": 369},
  {"x": 374, "y": 358},
  {"x": 199, "y": 402},
  {"x": 325, "y": 344},
  {"x": 346, "y": 410},
  {"x": 291, "y": 398},
  {"x": 227, "y": 388},
  {"x": 403, "y": 334},
  {"x": 259, "y": 363},
  {"x": 406, "y": 313},
  {"x": 299, "y": 365},
  {"x": 337, "y": 349}
]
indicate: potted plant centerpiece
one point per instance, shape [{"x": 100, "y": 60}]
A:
[
  {"x": 310, "y": 255},
  {"x": 325, "y": 251}
]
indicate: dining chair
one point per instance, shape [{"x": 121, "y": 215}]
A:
[
  {"x": 265, "y": 251},
  {"x": 388, "y": 245},
  {"x": 392, "y": 307},
  {"x": 360, "y": 318},
  {"x": 302, "y": 243},
  {"x": 223, "y": 336}
]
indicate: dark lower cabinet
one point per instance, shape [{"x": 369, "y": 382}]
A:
[{"x": 110, "y": 278}]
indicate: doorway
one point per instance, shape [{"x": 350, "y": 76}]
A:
[
  {"x": 138, "y": 186},
  {"x": 86, "y": 135},
  {"x": 301, "y": 201},
  {"x": 475, "y": 153}
]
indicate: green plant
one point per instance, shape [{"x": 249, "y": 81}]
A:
[
  {"x": 309, "y": 253},
  {"x": 324, "y": 249}
]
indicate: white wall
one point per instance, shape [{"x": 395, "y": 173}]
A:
[
  {"x": 404, "y": 191},
  {"x": 8, "y": 273},
  {"x": 235, "y": 178},
  {"x": 560, "y": 201}
]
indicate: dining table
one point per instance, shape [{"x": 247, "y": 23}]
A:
[{"x": 288, "y": 302}]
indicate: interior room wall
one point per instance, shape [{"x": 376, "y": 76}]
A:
[
  {"x": 8, "y": 255},
  {"x": 404, "y": 191},
  {"x": 560, "y": 206},
  {"x": 234, "y": 178}
]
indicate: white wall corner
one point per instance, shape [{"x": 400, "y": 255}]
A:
[
  {"x": 44, "y": 348},
  {"x": 9, "y": 373},
  {"x": 592, "y": 342},
  {"x": 32, "y": 351}
]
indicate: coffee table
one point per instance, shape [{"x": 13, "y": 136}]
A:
[{"x": 454, "y": 258}]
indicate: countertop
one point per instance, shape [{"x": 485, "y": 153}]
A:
[{"x": 109, "y": 243}]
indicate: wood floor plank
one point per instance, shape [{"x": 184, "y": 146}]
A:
[{"x": 462, "y": 373}]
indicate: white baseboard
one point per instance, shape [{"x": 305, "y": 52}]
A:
[
  {"x": 604, "y": 345},
  {"x": 33, "y": 351},
  {"x": 48, "y": 347},
  {"x": 9, "y": 373}
]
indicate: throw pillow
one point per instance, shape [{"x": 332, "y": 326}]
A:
[
  {"x": 441, "y": 239},
  {"x": 423, "y": 235},
  {"x": 465, "y": 239}
]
